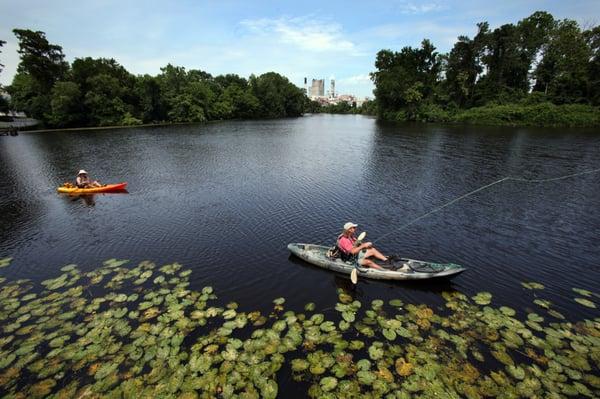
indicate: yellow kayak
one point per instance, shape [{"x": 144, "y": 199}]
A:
[{"x": 107, "y": 188}]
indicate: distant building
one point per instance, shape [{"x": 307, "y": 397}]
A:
[{"x": 317, "y": 89}]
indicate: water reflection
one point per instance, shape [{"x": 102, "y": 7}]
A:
[{"x": 90, "y": 199}]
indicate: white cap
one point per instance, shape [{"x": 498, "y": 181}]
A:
[
  {"x": 349, "y": 225},
  {"x": 82, "y": 172}
]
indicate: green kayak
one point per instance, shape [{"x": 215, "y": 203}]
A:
[{"x": 407, "y": 269}]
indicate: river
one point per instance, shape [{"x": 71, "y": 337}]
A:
[{"x": 224, "y": 199}]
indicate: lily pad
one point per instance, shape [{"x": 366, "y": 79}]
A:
[
  {"x": 533, "y": 286},
  {"x": 585, "y": 302},
  {"x": 583, "y": 292},
  {"x": 483, "y": 298},
  {"x": 328, "y": 383},
  {"x": 4, "y": 262}
]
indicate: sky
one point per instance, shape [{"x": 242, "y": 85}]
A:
[{"x": 312, "y": 39}]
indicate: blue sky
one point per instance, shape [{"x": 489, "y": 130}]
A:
[{"x": 313, "y": 39}]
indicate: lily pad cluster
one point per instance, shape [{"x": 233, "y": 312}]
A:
[{"x": 134, "y": 332}]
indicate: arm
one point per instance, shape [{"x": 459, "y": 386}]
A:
[
  {"x": 360, "y": 247},
  {"x": 347, "y": 246}
]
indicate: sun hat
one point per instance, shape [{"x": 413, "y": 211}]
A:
[
  {"x": 349, "y": 225},
  {"x": 82, "y": 172}
]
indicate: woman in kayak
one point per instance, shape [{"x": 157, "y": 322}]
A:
[
  {"x": 363, "y": 252},
  {"x": 83, "y": 180}
]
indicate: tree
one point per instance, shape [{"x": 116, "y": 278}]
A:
[
  {"x": 462, "y": 70},
  {"x": 83, "y": 69},
  {"x": 277, "y": 96},
  {"x": 151, "y": 105},
  {"x": 405, "y": 79},
  {"x": 25, "y": 96},
  {"x": 3, "y": 100},
  {"x": 562, "y": 73},
  {"x": 592, "y": 38},
  {"x": 42, "y": 64},
  {"x": 2, "y": 43},
  {"x": 40, "y": 59},
  {"x": 244, "y": 105},
  {"x": 103, "y": 101},
  {"x": 66, "y": 105}
]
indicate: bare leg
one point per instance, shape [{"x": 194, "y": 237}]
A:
[
  {"x": 373, "y": 252},
  {"x": 370, "y": 263}
]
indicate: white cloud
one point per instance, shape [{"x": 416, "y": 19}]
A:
[
  {"x": 408, "y": 7},
  {"x": 303, "y": 32},
  {"x": 356, "y": 80}
]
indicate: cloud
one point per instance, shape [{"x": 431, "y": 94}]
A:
[
  {"x": 356, "y": 80},
  {"x": 407, "y": 7},
  {"x": 303, "y": 32}
]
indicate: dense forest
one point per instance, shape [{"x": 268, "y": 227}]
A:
[
  {"x": 540, "y": 71},
  {"x": 100, "y": 92}
]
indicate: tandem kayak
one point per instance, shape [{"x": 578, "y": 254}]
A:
[
  {"x": 103, "y": 189},
  {"x": 410, "y": 269}
]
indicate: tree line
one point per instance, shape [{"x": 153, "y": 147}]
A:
[
  {"x": 100, "y": 92},
  {"x": 540, "y": 62},
  {"x": 539, "y": 71}
]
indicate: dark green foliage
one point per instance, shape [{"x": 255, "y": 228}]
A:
[
  {"x": 519, "y": 71},
  {"x": 563, "y": 72},
  {"x": 542, "y": 114},
  {"x": 40, "y": 59},
  {"x": 103, "y": 101},
  {"x": 2, "y": 43},
  {"x": 100, "y": 92},
  {"x": 66, "y": 105},
  {"x": 403, "y": 79},
  {"x": 277, "y": 96},
  {"x": 42, "y": 64},
  {"x": 592, "y": 38}
]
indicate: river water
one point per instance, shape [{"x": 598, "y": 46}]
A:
[{"x": 224, "y": 199}]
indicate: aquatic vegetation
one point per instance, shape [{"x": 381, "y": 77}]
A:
[
  {"x": 145, "y": 333},
  {"x": 585, "y": 302}
]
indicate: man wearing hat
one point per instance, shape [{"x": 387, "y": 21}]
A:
[
  {"x": 349, "y": 251},
  {"x": 83, "y": 180}
]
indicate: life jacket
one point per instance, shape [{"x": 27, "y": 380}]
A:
[{"x": 345, "y": 256}]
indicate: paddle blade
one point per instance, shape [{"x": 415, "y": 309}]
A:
[
  {"x": 362, "y": 236},
  {"x": 354, "y": 276}
]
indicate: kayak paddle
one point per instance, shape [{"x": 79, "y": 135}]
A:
[{"x": 354, "y": 273}]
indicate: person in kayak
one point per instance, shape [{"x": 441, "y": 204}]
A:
[
  {"x": 83, "y": 180},
  {"x": 362, "y": 252}
]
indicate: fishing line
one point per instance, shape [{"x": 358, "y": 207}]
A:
[{"x": 507, "y": 178}]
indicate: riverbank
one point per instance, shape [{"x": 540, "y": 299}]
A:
[
  {"x": 530, "y": 115},
  {"x": 95, "y": 128}
]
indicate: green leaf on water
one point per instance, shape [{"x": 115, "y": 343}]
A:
[
  {"x": 585, "y": 302},
  {"x": 279, "y": 301},
  {"x": 543, "y": 303},
  {"x": 328, "y": 383},
  {"x": 389, "y": 334},
  {"x": 533, "y": 286},
  {"x": 482, "y": 298},
  {"x": 396, "y": 303},
  {"x": 507, "y": 311},
  {"x": 583, "y": 292}
]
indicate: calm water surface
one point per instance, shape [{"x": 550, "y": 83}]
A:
[{"x": 225, "y": 199}]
